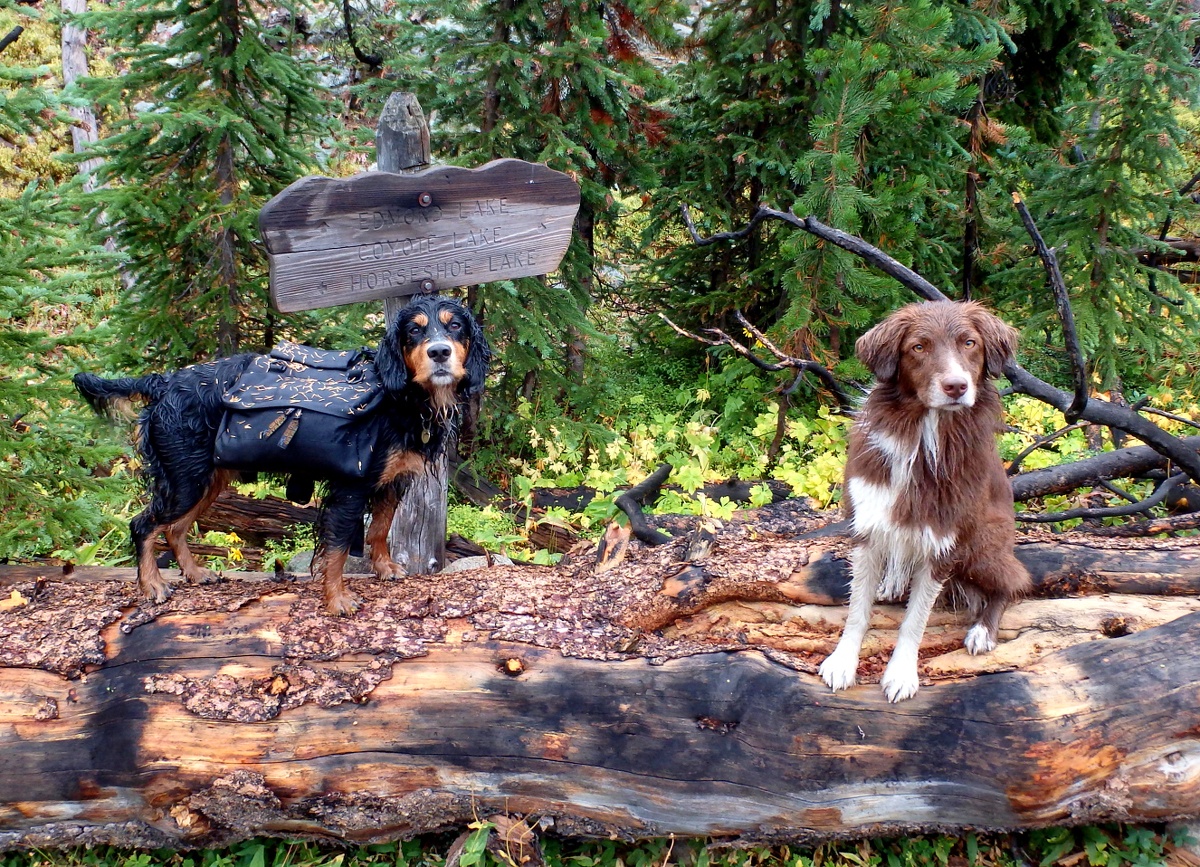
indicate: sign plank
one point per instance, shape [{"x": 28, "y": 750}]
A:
[{"x": 379, "y": 235}]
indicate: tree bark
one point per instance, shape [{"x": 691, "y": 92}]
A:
[
  {"x": 84, "y": 131},
  {"x": 663, "y": 696}
]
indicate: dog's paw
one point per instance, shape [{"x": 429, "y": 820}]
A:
[
  {"x": 342, "y": 604},
  {"x": 979, "y": 640},
  {"x": 839, "y": 671},
  {"x": 386, "y": 570},
  {"x": 900, "y": 681},
  {"x": 157, "y": 590},
  {"x": 200, "y": 575}
]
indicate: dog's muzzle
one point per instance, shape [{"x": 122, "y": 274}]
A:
[{"x": 440, "y": 353}]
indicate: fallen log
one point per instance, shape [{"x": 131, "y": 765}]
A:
[{"x": 663, "y": 696}]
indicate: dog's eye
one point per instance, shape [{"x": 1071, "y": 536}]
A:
[
  {"x": 415, "y": 330},
  {"x": 455, "y": 325},
  {"x": 970, "y": 341},
  {"x": 918, "y": 347}
]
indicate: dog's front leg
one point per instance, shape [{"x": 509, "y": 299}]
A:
[
  {"x": 341, "y": 511},
  {"x": 382, "y": 512},
  {"x": 900, "y": 678},
  {"x": 867, "y": 564}
]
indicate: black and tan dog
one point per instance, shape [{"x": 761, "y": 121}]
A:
[{"x": 432, "y": 358}]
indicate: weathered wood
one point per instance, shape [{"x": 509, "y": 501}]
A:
[
  {"x": 379, "y": 235},
  {"x": 417, "y": 537},
  {"x": 658, "y": 697}
]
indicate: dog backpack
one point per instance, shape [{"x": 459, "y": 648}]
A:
[{"x": 302, "y": 411}]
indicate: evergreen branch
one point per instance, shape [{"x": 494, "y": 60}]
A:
[
  {"x": 784, "y": 361},
  {"x": 872, "y": 255},
  {"x": 11, "y": 36},
  {"x": 1151, "y": 501},
  {"x": 1063, "y": 303}
]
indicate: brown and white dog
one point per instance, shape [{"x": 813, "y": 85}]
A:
[{"x": 925, "y": 490}]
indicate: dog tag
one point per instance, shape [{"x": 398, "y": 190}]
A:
[{"x": 425, "y": 436}]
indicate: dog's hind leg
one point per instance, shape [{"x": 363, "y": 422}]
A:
[
  {"x": 177, "y": 532},
  {"x": 173, "y": 507},
  {"x": 341, "y": 510},
  {"x": 900, "y": 678},
  {"x": 867, "y": 565},
  {"x": 382, "y": 512}
]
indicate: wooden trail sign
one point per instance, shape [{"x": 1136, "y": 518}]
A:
[{"x": 382, "y": 235}]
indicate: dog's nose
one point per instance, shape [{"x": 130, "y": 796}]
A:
[
  {"x": 439, "y": 352},
  {"x": 954, "y": 388}
]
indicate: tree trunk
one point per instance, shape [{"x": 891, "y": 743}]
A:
[
  {"x": 84, "y": 130},
  {"x": 662, "y": 696}
]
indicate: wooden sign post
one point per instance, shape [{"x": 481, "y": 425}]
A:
[{"x": 394, "y": 233}]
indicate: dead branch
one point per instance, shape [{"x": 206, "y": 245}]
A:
[
  {"x": 1063, "y": 304},
  {"x": 11, "y": 36},
  {"x": 1117, "y": 464},
  {"x": 1160, "y": 494},
  {"x": 784, "y": 361},
  {"x": 1152, "y": 527},
  {"x": 1041, "y": 443},
  {"x": 632, "y": 500},
  {"x": 374, "y": 61}
]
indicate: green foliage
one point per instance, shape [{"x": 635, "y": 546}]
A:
[
  {"x": 46, "y": 451},
  {"x": 851, "y": 116},
  {"x": 1097, "y": 846},
  {"x": 1124, "y": 184},
  {"x": 214, "y": 112}
]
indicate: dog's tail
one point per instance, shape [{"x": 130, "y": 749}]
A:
[{"x": 116, "y": 397}]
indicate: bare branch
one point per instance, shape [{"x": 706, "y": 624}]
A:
[
  {"x": 11, "y": 36},
  {"x": 785, "y": 362},
  {"x": 851, "y": 243},
  {"x": 1152, "y": 527},
  {"x": 1041, "y": 442},
  {"x": 631, "y": 502},
  {"x": 1063, "y": 303},
  {"x": 374, "y": 61},
  {"x": 1154, "y": 499},
  {"x": 1172, "y": 416}
]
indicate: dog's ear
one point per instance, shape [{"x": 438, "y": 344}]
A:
[
  {"x": 479, "y": 358},
  {"x": 879, "y": 349},
  {"x": 999, "y": 340},
  {"x": 389, "y": 360}
]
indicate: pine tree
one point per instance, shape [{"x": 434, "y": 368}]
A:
[
  {"x": 852, "y": 113},
  {"x": 565, "y": 84},
  {"x": 214, "y": 112},
  {"x": 44, "y": 446},
  {"x": 1115, "y": 179}
]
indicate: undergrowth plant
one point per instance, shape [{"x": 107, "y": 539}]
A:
[{"x": 1093, "y": 845}]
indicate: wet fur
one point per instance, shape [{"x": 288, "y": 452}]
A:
[{"x": 432, "y": 359}]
